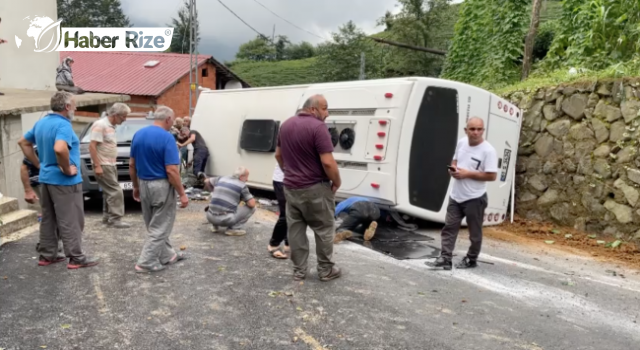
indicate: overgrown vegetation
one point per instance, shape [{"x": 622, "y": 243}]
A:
[
  {"x": 595, "y": 34},
  {"x": 277, "y": 73},
  {"x": 488, "y": 42},
  {"x": 484, "y": 40}
]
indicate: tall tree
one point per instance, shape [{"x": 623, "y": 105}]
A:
[
  {"x": 92, "y": 13},
  {"x": 258, "y": 49},
  {"x": 423, "y": 23},
  {"x": 340, "y": 59},
  {"x": 281, "y": 45},
  {"x": 530, "y": 39},
  {"x": 181, "y": 29},
  {"x": 300, "y": 51}
]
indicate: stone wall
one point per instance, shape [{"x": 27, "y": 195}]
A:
[{"x": 578, "y": 162}]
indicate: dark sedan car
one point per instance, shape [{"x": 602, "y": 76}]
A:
[{"x": 124, "y": 134}]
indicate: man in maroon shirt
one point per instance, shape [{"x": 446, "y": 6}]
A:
[{"x": 311, "y": 178}]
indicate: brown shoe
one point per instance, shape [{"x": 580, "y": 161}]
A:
[
  {"x": 335, "y": 273},
  {"x": 368, "y": 234},
  {"x": 341, "y": 236}
]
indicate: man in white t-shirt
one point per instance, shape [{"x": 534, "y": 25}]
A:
[{"x": 474, "y": 163}]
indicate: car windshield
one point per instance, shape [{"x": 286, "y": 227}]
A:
[{"x": 124, "y": 132}]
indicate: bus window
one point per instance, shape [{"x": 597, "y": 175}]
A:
[{"x": 432, "y": 147}]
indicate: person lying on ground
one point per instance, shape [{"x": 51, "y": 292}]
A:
[{"x": 357, "y": 212}]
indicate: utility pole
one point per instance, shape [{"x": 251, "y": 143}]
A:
[
  {"x": 193, "y": 56},
  {"x": 190, "y": 57},
  {"x": 273, "y": 34},
  {"x": 362, "y": 77}
]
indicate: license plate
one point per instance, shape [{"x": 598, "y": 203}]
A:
[{"x": 126, "y": 185}]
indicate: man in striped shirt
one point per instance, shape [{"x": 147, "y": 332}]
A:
[{"x": 224, "y": 209}]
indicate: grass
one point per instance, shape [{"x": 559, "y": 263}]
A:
[
  {"x": 259, "y": 74},
  {"x": 563, "y": 77}
]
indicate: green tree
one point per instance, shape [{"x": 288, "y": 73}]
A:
[
  {"x": 281, "y": 47},
  {"x": 425, "y": 23},
  {"x": 488, "y": 42},
  {"x": 300, "y": 51},
  {"x": 181, "y": 30},
  {"x": 258, "y": 49},
  {"x": 339, "y": 59},
  {"x": 92, "y": 13}
]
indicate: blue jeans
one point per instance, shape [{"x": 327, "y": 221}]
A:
[{"x": 200, "y": 157}]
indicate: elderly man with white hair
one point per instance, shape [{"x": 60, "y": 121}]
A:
[
  {"x": 154, "y": 170},
  {"x": 224, "y": 209},
  {"x": 104, "y": 152},
  {"x": 61, "y": 196}
]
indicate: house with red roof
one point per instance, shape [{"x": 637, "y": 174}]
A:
[{"x": 149, "y": 78}]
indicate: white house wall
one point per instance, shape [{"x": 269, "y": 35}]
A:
[{"x": 22, "y": 68}]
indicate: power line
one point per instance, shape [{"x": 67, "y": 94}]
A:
[
  {"x": 247, "y": 24},
  {"x": 275, "y": 14}
]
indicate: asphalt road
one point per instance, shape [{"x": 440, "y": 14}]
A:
[{"x": 230, "y": 294}]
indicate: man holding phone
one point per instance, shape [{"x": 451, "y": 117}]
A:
[{"x": 474, "y": 163}]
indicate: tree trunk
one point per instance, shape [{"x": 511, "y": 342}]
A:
[{"x": 531, "y": 38}]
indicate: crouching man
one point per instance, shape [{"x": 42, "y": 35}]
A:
[
  {"x": 359, "y": 211},
  {"x": 225, "y": 210}
]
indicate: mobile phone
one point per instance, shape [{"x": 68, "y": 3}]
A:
[{"x": 452, "y": 168}]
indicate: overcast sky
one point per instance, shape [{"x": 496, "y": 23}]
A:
[{"x": 222, "y": 33}]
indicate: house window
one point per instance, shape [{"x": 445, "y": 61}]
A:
[
  {"x": 259, "y": 135},
  {"x": 205, "y": 72}
]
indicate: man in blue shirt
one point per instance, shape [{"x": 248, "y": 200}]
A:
[
  {"x": 61, "y": 183},
  {"x": 155, "y": 173},
  {"x": 357, "y": 211}
]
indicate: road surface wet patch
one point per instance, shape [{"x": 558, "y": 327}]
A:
[{"x": 397, "y": 243}]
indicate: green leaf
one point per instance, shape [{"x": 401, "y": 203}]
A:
[
  {"x": 65, "y": 326},
  {"x": 274, "y": 294},
  {"x": 601, "y": 242},
  {"x": 555, "y": 231},
  {"x": 549, "y": 242},
  {"x": 299, "y": 308},
  {"x": 592, "y": 236},
  {"x": 616, "y": 244}
]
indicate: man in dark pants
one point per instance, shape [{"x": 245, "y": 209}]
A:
[
  {"x": 305, "y": 152},
  {"x": 359, "y": 211},
  {"x": 61, "y": 182},
  {"x": 474, "y": 163},
  {"x": 200, "y": 150},
  {"x": 280, "y": 229},
  {"x": 29, "y": 174}
]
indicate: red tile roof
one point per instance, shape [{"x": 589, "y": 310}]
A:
[{"x": 125, "y": 73}]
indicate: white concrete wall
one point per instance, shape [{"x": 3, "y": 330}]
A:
[
  {"x": 22, "y": 68},
  {"x": 30, "y": 119}
]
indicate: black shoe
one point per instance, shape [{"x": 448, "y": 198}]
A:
[
  {"x": 440, "y": 262},
  {"x": 466, "y": 263},
  {"x": 88, "y": 262},
  {"x": 201, "y": 176}
]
